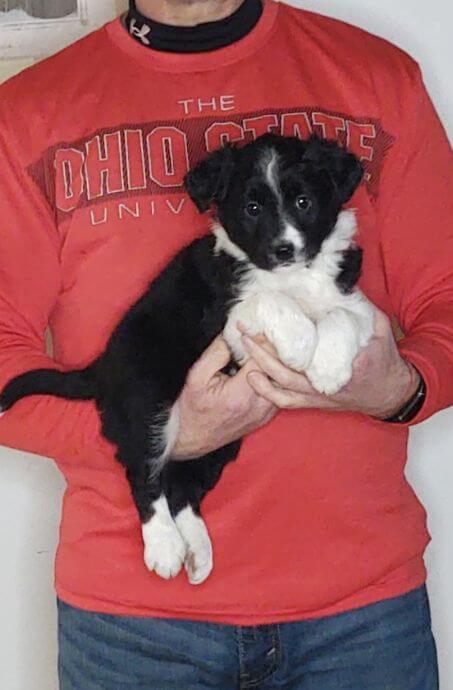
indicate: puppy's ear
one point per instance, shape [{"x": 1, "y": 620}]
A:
[
  {"x": 345, "y": 169},
  {"x": 208, "y": 182}
]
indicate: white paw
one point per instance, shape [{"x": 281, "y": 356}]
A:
[
  {"x": 338, "y": 343},
  {"x": 233, "y": 339},
  {"x": 296, "y": 343},
  {"x": 329, "y": 377},
  {"x": 198, "y": 561},
  {"x": 165, "y": 550}
]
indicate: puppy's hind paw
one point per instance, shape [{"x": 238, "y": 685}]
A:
[
  {"x": 165, "y": 550},
  {"x": 165, "y": 556},
  {"x": 199, "y": 560}
]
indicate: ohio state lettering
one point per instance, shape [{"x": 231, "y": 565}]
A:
[{"x": 153, "y": 158}]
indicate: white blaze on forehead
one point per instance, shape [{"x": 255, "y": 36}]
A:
[
  {"x": 269, "y": 166},
  {"x": 293, "y": 236}
]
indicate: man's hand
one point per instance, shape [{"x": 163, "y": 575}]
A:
[
  {"x": 381, "y": 383},
  {"x": 215, "y": 409}
]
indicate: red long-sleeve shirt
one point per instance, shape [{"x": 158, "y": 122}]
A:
[{"x": 315, "y": 516}]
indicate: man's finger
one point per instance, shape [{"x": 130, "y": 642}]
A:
[
  {"x": 238, "y": 384},
  {"x": 283, "y": 399},
  {"x": 210, "y": 363},
  {"x": 276, "y": 370},
  {"x": 287, "y": 399},
  {"x": 260, "y": 338}
]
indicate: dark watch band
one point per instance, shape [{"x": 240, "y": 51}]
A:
[{"x": 411, "y": 408}]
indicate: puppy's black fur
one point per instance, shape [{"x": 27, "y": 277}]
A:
[{"x": 137, "y": 379}]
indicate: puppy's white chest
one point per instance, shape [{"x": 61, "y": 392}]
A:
[
  {"x": 278, "y": 316},
  {"x": 313, "y": 291},
  {"x": 314, "y": 327}
]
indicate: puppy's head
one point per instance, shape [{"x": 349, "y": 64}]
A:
[{"x": 278, "y": 197}]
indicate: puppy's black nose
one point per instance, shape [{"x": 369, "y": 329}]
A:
[{"x": 284, "y": 251}]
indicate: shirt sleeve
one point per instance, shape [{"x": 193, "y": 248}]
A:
[
  {"x": 29, "y": 287},
  {"x": 416, "y": 226}
]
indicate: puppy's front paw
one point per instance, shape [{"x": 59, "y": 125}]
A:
[
  {"x": 199, "y": 561},
  {"x": 331, "y": 367},
  {"x": 296, "y": 343},
  {"x": 327, "y": 377},
  {"x": 165, "y": 550}
]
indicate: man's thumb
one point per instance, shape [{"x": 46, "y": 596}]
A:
[{"x": 210, "y": 363}]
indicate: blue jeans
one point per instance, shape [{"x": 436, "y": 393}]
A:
[{"x": 385, "y": 646}]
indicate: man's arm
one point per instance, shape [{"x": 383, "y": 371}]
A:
[
  {"x": 29, "y": 286},
  {"x": 416, "y": 224}
]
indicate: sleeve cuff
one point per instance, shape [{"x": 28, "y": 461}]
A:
[{"x": 421, "y": 355}]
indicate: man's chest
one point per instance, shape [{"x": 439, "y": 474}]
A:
[{"x": 117, "y": 190}]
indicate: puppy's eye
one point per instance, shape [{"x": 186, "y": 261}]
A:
[
  {"x": 253, "y": 208},
  {"x": 303, "y": 202}
]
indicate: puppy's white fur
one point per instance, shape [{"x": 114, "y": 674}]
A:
[
  {"x": 313, "y": 325},
  {"x": 165, "y": 549},
  {"x": 293, "y": 236},
  {"x": 163, "y": 435},
  {"x": 224, "y": 244},
  {"x": 269, "y": 166},
  {"x": 171, "y": 542},
  {"x": 198, "y": 561}
]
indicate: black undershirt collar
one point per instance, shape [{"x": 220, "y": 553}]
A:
[{"x": 193, "y": 39}]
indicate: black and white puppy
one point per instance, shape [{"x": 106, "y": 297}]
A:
[{"x": 282, "y": 260}]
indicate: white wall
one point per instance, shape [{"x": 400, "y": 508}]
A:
[{"x": 31, "y": 488}]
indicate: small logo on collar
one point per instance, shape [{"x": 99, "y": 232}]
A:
[{"x": 140, "y": 33}]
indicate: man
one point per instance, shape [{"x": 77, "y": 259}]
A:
[{"x": 319, "y": 578}]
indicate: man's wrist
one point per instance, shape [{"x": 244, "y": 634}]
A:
[
  {"x": 412, "y": 407},
  {"x": 408, "y": 383}
]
